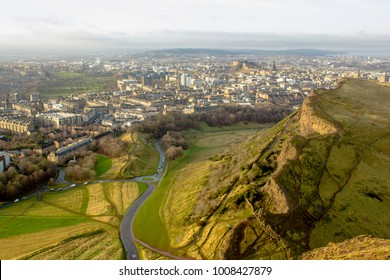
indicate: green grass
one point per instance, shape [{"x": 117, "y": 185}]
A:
[
  {"x": 148, "y": 220},
  {"x": 57, "y": 186},
  {"x": 143, "y": 160},
  {"x": 142, "y": 188},
  {"x": 62, "y": 84},
  {"x": 61, "y": 224},
  {"x": 336, "y": 183},
  {"x": 203, "y": 144},
  {"x": 25, "y": 225},
  {"x": 103, "y": 164}
]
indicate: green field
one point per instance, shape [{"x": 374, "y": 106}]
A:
[
  {"x": 103, "y": 164},
  {"x": 62, "y": 84},
  {"x": 79, "y": 223}
]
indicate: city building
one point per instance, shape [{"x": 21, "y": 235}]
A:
[
  {"x": 58, "y": 119},
  {"x": 185, "y": 80},
  {"x": 66, "y": 153},
  {"x": 4, "y": 161},
  {"x": 16, "y": 125},
  {"x": 35, "y": 97}
]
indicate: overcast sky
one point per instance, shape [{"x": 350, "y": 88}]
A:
[{"x": 260, "y": 24}]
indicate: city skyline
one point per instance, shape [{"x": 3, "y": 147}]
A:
[{"x": 357, "y": 26}]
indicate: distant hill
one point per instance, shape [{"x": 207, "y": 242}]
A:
[
  {"x": 219, "y": 52},
  {"x": 319, "y": 176}
]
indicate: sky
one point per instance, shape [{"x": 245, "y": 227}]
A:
[{"x": 255, "y": 24}]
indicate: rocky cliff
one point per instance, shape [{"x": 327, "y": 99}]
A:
[{"x": 319, "y": 176}]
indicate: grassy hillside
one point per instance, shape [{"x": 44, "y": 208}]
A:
[
  {"x": 319, "y": 176},
  {"x": 142, "y": 158},
  {"x": 80, "y": 223},
  {"x": 169, "y": 209},
  {"x": 358, "y": 248}
]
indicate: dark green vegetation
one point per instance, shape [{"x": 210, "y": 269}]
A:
[
  {"x": 102, "y": 165},
  {"x": 88, "y": 167},
  {"x": 64, "y": 83},
  {"x": 319, "y": 176},
  {"x": 158, "y": 126}
]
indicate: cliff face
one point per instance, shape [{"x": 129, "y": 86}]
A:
[
  {"x": 278, "y": 199},
  {"x": 311, "y": 122},
  {"x": 319, "y": 176}
]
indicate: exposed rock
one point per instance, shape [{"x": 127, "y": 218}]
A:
[
  {"x": 358, "y": 248},
  {"x": 311, "y": 122},
  {"x": 278, "y": 202}
]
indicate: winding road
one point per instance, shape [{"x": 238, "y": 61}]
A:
[{"x": 126, "y": 228}]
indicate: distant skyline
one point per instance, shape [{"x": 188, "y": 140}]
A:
[{"x": 351, "y": 25}]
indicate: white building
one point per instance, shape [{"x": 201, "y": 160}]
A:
[
  {"x": 185, "y": 80},
  {"x": 58, "y": 119},
  {"x": 4, "y": 161}
]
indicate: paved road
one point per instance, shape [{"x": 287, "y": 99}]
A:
[{"x": 126, "y": 228}]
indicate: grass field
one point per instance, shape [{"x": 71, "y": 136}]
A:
[
  {"x": 173, "y": 201},
  {"x": 103, "y": 164},
  {"x": 79, "y": 223},
  {"x": 62, "y": 84}
]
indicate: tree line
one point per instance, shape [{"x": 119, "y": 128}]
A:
[
  {"x": 158, "y": 126},
  {"x": 25, "y": 175}
]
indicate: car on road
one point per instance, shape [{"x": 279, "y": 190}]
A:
[
  {"x": 16, "y": 200},
  {"x": 85, "y": 183},
  {"x": 73, "y": 185},
  {"x": 52, "y": 189},
  {"x": 60, "y": 189}
]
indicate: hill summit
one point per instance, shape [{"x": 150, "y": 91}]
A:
[{"x": 318, "y": 176}]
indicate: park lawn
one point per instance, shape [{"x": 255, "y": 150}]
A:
[
  {"x": 30, "y": 224},
  {"x": 62, "y": 84},
  {"x": 79, "y": 223},
  {"x": 102, "y": 165}
]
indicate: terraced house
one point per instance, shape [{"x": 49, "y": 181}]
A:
[
  {"x": 17, "y": 126},
  {"x": 66, "y": 153}
]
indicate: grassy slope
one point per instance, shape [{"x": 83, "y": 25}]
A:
[
  {"x": 337, "y": 184},
  {"x": 68, "y": 224},
  {"x": 142, "y": 157},
  {"x": 360, "y": 161},
  {"x": 358, "y": 248},
  {"x": 103, "y": 164},
  {"x": 176, "y": 197}
]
